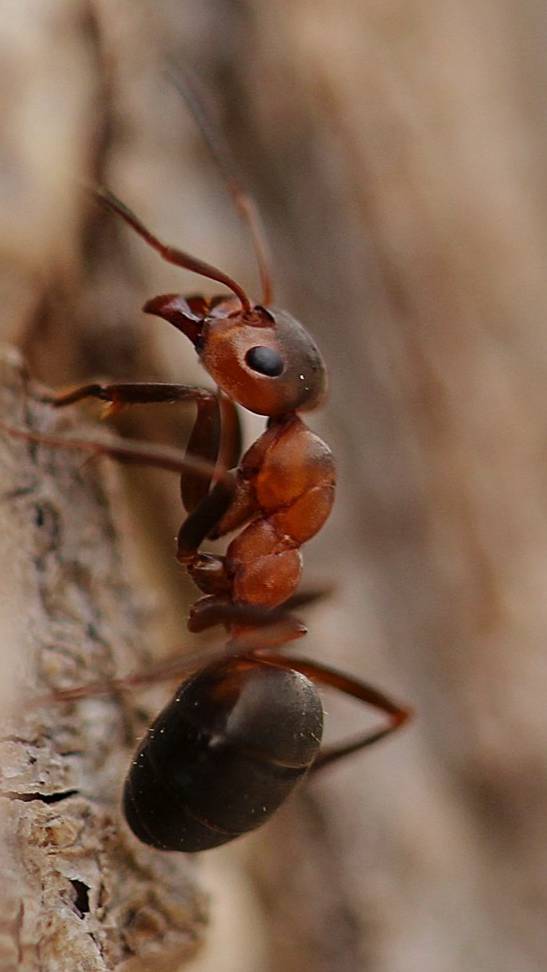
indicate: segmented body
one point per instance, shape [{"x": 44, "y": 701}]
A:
[{"x": 285, "y": 487}]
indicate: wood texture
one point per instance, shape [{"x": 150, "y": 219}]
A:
[{"x": 78, "y": 892}]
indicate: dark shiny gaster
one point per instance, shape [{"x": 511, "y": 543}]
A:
[{"x": 223, "y": 755}]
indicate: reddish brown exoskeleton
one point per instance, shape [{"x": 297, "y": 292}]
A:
[{"x": 240, "y": 733}]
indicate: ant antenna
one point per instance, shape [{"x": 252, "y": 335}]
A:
[
  {"x": 244, "y": 203},
  {"x": 171, "y": 253}
]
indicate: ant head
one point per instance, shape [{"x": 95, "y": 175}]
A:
[
  {"x": 259, "y": 356},
  {"x": 262, "y": 358}
]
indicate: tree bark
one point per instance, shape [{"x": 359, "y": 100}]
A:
[{"x": 78, "y": 892}]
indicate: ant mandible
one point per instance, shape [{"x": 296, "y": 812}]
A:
[{"x": 240, "y": 733}]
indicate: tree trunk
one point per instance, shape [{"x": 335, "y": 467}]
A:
[{"x": 77, "y": 891}]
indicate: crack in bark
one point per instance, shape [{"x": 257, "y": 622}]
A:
[{"x": 43, "y": 797}]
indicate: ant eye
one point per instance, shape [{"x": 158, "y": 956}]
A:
[{"x": 267, "y": 361}]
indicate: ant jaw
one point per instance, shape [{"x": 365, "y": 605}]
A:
[{"x": 188, "y": 314}]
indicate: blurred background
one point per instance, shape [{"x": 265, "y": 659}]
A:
[{"x": 397, "y": 153}]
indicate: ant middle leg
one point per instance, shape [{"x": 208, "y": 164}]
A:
[{"x": 126, "y": 451}]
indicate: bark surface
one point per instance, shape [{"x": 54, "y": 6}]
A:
[{"x": 77, "y": 892}]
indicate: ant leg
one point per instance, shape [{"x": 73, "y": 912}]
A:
[
  {"x": 127, "y": 451},
  {"x": 231, "y": 499},
  {"x": 119, "y": 394},
  {"x": 253, "y": 628},
  {"x": 210, "y": 611},
  {"x": 324, "y": 675},
  {"x": 206, "y": 570},
  {"x": 216, "y": 437},
  {"x": 204, "y": 441},
  {"x": 175, "y": 666},
  {"x": 203, "y": 519}
]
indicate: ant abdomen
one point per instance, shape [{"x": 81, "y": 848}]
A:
[{"x": 223, "y": 754}]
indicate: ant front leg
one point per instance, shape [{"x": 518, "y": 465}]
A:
[
  {"x": 119, "y": 394},
  {"x": 206, "y": 436},
  {"x": 322, "y": 674}
]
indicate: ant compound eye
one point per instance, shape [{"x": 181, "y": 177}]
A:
[{"x": 266, "y": 361}]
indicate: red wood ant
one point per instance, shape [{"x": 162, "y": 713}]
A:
[{"x": 239, "y": 733}]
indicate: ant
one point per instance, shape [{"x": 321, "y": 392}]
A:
[{"x": 240, "y": 732}]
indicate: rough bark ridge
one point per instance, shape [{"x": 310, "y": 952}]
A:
[{"x": 77, "y": 893}]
